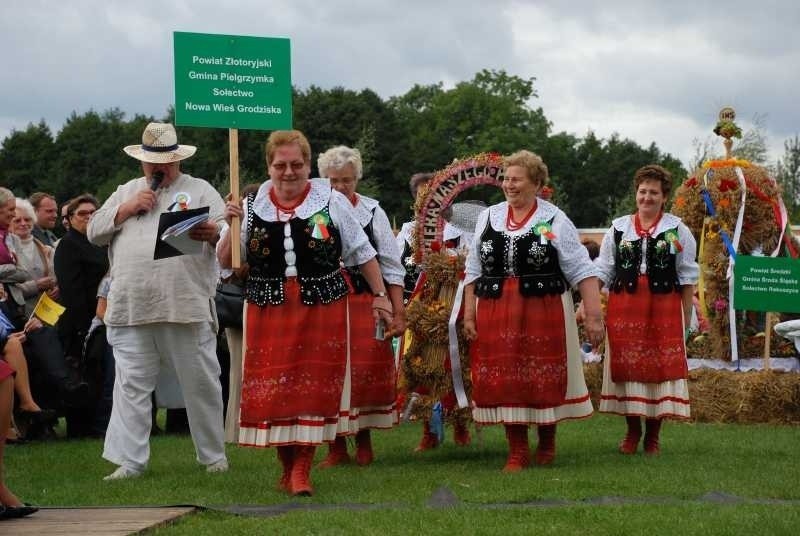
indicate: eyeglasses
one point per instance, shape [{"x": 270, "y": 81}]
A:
[
  {"x": 282, "y": 166},
  {"x": 83, "y": 213}
]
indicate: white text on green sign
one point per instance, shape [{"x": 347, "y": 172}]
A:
[
  {"x": 766, "y": 284},
  {"x": 232, "y": 81}
]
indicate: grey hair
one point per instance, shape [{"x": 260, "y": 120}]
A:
[
  {"x": 6, "y": 195},
  {"x": 25, "y": 206},
  {"x": 337, "y": 158}
]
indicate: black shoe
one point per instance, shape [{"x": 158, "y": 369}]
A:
[
  {"x": 19, "y": 440},
  {"x": 40, "y": 431},
  {"x": 15, "y": 512},
  {"x": 43, "y": 416}
]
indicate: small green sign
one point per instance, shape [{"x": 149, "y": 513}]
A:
[
  {"x": 766, "y": 284},
  {"x": 232, "y": 81}
]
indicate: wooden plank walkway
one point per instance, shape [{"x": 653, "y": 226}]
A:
[{"x": 109, "y": 521}]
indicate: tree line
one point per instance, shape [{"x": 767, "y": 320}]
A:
[{"x": 422, "y": 130}]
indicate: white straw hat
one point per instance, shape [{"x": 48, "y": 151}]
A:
[
  {"x": 160, "y": 145},
  {"x": 465, "y": 214}
]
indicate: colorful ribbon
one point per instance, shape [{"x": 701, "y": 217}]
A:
[
  {"x": 709, "y": 203},
  {"x": 674, "y": 243},
  {"x": 781, "y": 219},
  {"x": 701, "y": 285},
  {"x": 737, "y": 234},
  {"x": 437, "y": 421},
  {"x": 544, "y": 231},
  {"x": 319, "y": 223},
  {"x": 455, "y": 356},
  {"x": 726, "y": 239}
]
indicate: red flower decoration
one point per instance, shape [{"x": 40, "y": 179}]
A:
[
  {"x": 691, "y": 183},
  {"x": 726, "y": 185},
  {"x": 436, "y": 246}
]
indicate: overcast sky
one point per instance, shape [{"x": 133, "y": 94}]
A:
[{"x": 651, "y": 71}]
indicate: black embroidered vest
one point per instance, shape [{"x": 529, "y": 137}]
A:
[
  {"x": 536, "y": 264},
  {"x": 317, "y": 260},
  {"x": 660, "y": 269},
  {"x": 357, "y": 280}
]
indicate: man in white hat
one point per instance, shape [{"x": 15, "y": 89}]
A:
[{"x": 160, "y": 310}]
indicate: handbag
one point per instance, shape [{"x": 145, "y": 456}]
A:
[{"x": 229, "y": 301}]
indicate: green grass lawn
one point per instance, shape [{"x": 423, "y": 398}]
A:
[{"x": 591, "y": 489}]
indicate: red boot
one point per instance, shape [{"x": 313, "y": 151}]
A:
[
  {"x": 630, "y": 442},
  {"x": 286, "y": 456},
  {"x": 429, "y": 439},
  {"x": 461, "y": 434},
  {"x": 652, "y": 428},
  {"x": 546, "y": 449},
  {"x": 301, "y": 470},
  {"x": 519, "y": 453},
  {"x": 337, "y": 453},
  {"x": 364, "y": 455}
]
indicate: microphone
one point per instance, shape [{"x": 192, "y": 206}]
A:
[{"x": 155, "y": 182}]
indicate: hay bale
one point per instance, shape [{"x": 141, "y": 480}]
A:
[
  {"x": 770, "y": 397},
  {"x": 723, "y": 396}
]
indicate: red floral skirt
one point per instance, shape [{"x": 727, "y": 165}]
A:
[
  {"x": 295, "y": 360},
  {"x": 645, "y": 336},
  {"x": 372, "y": 373},
  {"x": 520, "y": 355}
]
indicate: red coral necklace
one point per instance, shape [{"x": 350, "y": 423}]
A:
[
  {"x": 288, "y": 209},
  {"x": 641, "y": 231},
  {"x": 514, "y": 225}
]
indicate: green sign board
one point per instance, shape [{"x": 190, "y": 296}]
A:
[
  {"x": 232, "y": 81},
  {"x": 766, "y": 284}
]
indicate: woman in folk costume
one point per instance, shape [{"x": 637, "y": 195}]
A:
[
  {"x": 294, "y": 233},
  {"x": 525, "y": 357},
  {"x": 647, "y": 260},
  {"x": 373, "y": 377}
]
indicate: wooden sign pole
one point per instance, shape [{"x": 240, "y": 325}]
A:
[
  {"x": 235, "y": 230},
  {"x": 767, "y": 339}
]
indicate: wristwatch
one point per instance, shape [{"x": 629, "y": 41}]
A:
[{"x": 381, "y": 294}]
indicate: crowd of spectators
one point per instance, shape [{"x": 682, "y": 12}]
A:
[{"x": 57, "y": 373}]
